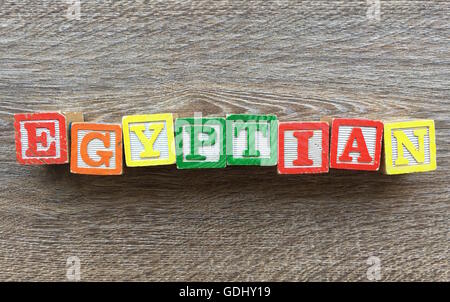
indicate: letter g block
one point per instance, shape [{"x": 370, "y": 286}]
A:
[{"x": 96, "y": 149}]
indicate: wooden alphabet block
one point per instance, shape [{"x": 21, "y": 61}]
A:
[
  {"x": 252, "y": 139},
  {"x": 200, "y": 143},
  {"x": 355, "y": 144},
  {"x": 41, "y": 138},
  {"x": 303, "y": 147},
  {"x": 149, "y": 140},
  {"x": 96, "y": 149},
  {"x": 409, "y": 146}
]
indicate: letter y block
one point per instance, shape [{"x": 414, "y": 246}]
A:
[
  {"x": 409, "y": 146},
  {"x": 149, "y": 140}
]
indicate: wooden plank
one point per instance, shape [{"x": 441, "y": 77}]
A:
[{"x": 298, "y": 60}]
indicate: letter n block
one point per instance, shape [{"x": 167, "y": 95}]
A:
[
  {"x": 252, "y": 139},
  {"x": 200, "y": 143},
  {"x": 409, "y": 146},
  {"x": 356, "y": 144},
  {"x": 303, "y": 147},
  {"x": 96, "y": 149},
  {"x": 149, "y": 140},
  {"x": 41, "y": 138}
]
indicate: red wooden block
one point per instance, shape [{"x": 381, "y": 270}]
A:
[
  {"x": 356, "y": 144},
  {"x": 41, "y": 138},
  {"x": 303, "y": 147}
]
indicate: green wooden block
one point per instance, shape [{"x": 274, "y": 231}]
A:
[
  {"x": 252, "y": 140},
  {"x": 200, "y": 143}
]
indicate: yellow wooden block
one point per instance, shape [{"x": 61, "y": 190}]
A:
[
  {"x": 409, "y": 146},
  {"x": 149, "y": 140}
]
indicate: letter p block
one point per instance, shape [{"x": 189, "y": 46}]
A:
[
  {"x": 200, "y": 142},
  {"x": 409, "y": 146},
  {"x": 149, "y": 140},
  {"x": 96, "y": 149}
]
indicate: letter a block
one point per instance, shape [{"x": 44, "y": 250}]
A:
[
  {"x": 252, "y": 139},
  {"x": 41, "y": 138},
  {"x": 356, "y": 144},
  {"x": 149, "y": 140},
  {"x": 200, "y": 143},
  {"x": 409, "y": 146},
  {"x": 96, "y": 149},
  {"x": 303, "y": 147}
]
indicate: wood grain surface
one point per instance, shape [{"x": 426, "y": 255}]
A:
[{"x": 300, "y": 60}]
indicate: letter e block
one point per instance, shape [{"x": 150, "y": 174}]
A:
[
  {"x": 149, "y": 140},
  {"x": 303, "y": 147},
  {"x": 356, "y": 144},
  {"x": 252, "y": 139},
  {"x": 96, "y": 149},
  {"x": 409, "y": 146},
  {"x": 41, "y": 138},
  {"x": 200, "y": 143}
]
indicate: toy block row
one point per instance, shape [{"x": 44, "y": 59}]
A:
[{"x": 240, "y": 139}]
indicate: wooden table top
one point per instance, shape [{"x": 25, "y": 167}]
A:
[{"x": 298, "y": 60}]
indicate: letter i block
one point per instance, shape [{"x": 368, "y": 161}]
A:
[
  {"x": 96, "y": 149},
  {"x": 303, "y": 147},
  {"x": 252, "y": 139},
  {"x": 356, "y": 144},
  {"x": 149, "y": 140},
  {"x": 200, "y": 143},
  {"x": 41, "y": 138},
  {"x": 409, "y": 146}
]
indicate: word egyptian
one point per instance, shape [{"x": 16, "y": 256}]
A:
[{"x": 295, "y": 147}]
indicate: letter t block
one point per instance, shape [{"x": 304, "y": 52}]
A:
[
  {"x": 409, "y": 146},
  {"x": 252, "y": 139},
  {"x": 149, "y": 140},
  {"x": 303, "y": 147},
  {"x": 356, "y": 144}
]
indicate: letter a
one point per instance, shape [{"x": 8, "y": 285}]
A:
[{"x": 361, "y": 147}]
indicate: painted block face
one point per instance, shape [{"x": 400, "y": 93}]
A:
[
  {"x": 149, "y": 140},
  {"x": 96, "y": 149},
  {"x": 303, "y": 147},
  {"x": 200, "y": 143},
  {"x": 409, "y": 147},
  {"x": 252, "y": 139},
  {"x": 356, "y": 144},
  {"x": 41, "y": 138}
]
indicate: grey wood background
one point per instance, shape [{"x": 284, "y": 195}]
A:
[{"x": 298, "y": 60}]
